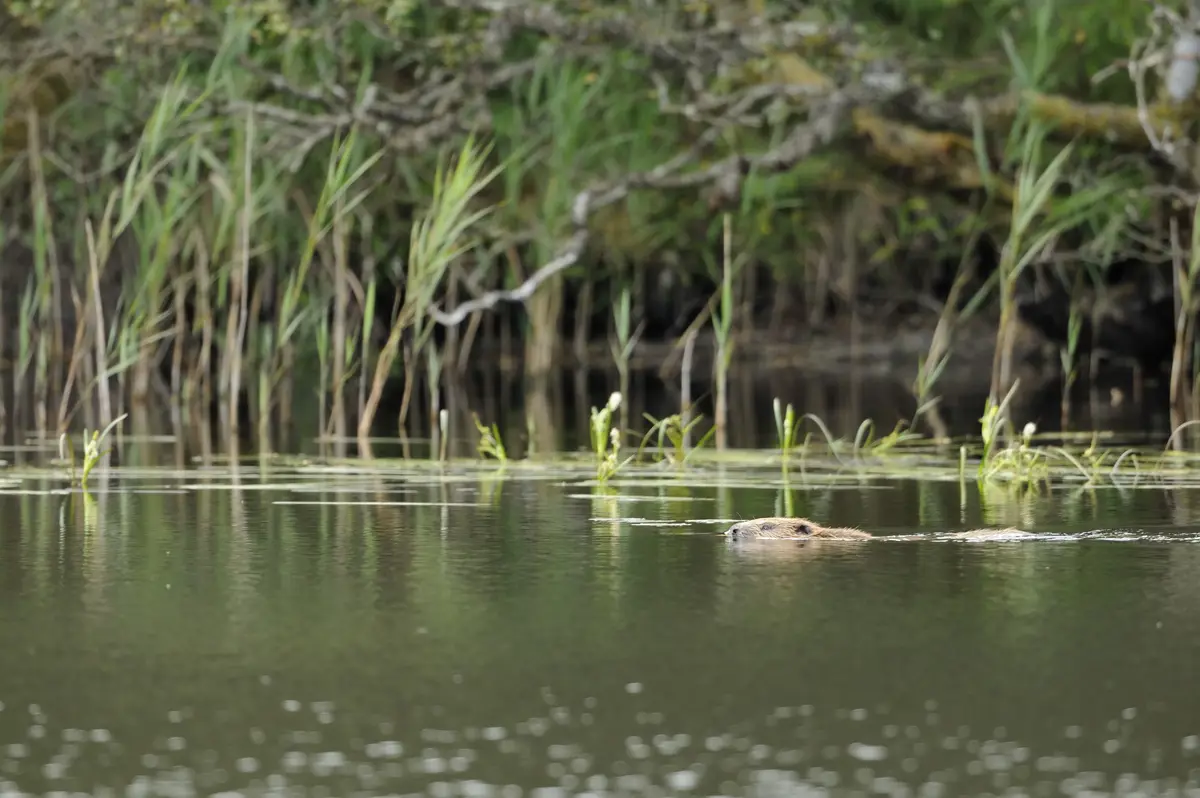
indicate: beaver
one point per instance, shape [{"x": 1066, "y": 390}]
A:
[
  {"x": 779, "y": 528},
  {"x": 791, "y": 529}
]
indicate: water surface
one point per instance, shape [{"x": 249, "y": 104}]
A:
[{"x": 516, "y": 637}]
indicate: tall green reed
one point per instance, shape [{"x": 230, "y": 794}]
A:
[
  {"x": 1184, "y": 278},
  {"x": 147, "y": 318},
  {"x": 625, "y": 340},
  {"x": 1038, "y": 215},
  {"x": 786, "y": 425},
  {"x": 564, "y": 128},
  {"x": 552, "y": 142},
  {"x": 151, "y": 158},
  {"x": 931, "y": 366},
  {"x": 1069, "y": 361},
  {"x": 334, "y": 213},
  {"x": 722, "y": 324},
  {"x": 48, "y": 342},
  {"x": 439, "y": 237},
  {"x": 1029, "y": 233}
]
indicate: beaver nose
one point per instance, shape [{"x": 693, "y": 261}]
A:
[{"x": 734, "y": 530}]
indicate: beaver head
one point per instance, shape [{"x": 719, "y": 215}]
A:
[{"x": 782, "y": 528}]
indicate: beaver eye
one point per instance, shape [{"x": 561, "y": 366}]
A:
[{"x": 768, "y": 527}]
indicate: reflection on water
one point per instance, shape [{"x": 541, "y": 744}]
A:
[
  {"x": 472, "y": 637},
  {"x": 543, "y": 418},
  {"x": 554, "y": 416}
]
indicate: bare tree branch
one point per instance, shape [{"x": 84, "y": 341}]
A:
[{"x": 826, "y": 126}]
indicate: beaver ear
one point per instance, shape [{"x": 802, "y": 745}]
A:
[{"x": 805, "y": 529}]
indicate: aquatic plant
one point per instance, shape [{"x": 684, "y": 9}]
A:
[
  {"x": 785, "y": 428},
  {"x": 1038, "y": 216},
  {"x": 1185, "y": 312},
  {"x": 941, "y": 346},
  {"x": 865, "y": 441},
  {"x": 1068, "y": 360},
  {"x": 438, "y": 238},
  {"x": 677, "y": 432},
  {"x": 1019, "y": 462},
  {"x": 992, "y": 425},
  {"x": 1091, "y": 461},
  {"x": 606, "y": 439},
  {"x": 722, "y": 324},
  {"x": 490, "y": 444},
  {"x": 622, "y": 347},
  {"x": 92, "y": 453},
  {"x": 246, "y": 240},
  {"x": 442, "y": 441}
]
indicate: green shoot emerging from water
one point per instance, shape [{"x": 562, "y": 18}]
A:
[
  {"x": 1020, "y": 463},
  {"x": 490, "y": 444},
  {"x": 606, "y": 439},
  {"x": 674, "y": 430},
  {"x": 864, "y": 439},
  {"x": 92, "y": 453},
  {"x": 991, "y": 424},
  {"x": 785, "y": 427}
]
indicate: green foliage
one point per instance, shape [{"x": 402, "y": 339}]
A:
[
  {"x": 228, "y": 141},
  {"x": 606, "y": 440},
  {"x": 785, "y": 427},
  {"x": 490, "y": 444},
  {"x": 672, "y": 430},
  {"x": 1084, "y": 38},
  {"x": 92, "y": 453}
]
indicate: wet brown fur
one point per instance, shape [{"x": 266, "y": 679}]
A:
[
  {"x": 778, "y": 528},
  {"x": 791, "y": 529}
]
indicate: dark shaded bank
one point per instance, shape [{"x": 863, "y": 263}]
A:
[{"x": 1127, "y": 317}]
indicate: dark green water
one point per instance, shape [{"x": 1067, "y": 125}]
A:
[{"x": 523, "y": 640}]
